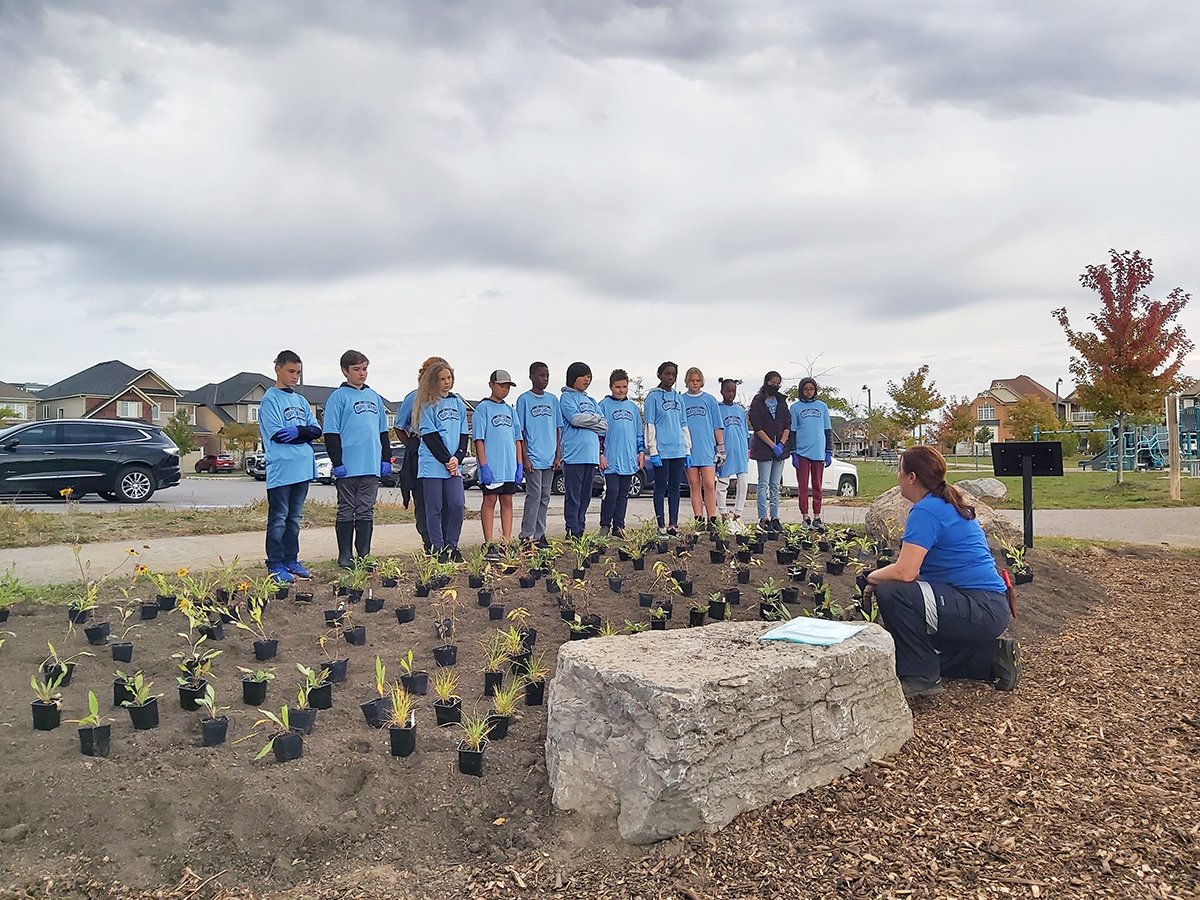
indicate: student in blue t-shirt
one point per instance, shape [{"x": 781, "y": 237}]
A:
[
  {"x": 942, "y": 600},
  {"x": 708, "y": 447},
  {"x": 497, "y": 436},
  {"x": 814, "y": 447},
  {"x": 287, "y": 428},
  {"x": 582, "y": 426},
  {"x": 442, "y": 418},
  {"x": 360, "y": 448},
  {"x": 668, "y": 445},
  {"x": 537, "y": 416},
  {"x": 409, "y": 432},
  {"x": 736, "y": 424},
  {"x": 622, "y": 452}
]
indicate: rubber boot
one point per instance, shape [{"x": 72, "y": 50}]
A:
[
  {"x": 362, "y": 536},
  {"x": 345, "y": 542}
]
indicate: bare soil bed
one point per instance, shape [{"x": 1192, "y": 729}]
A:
[{"x": 1082, "y": 783}]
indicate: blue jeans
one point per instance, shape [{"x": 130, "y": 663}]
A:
[
  {"x": 444, "y": 503},
  {"x": 667, "y": 479},
  {"x": 616, "y": 500},
  {"x": 577, "y": 478},
  {"x": 770, "y": 471},
  {"x": 284, "y": 506}
]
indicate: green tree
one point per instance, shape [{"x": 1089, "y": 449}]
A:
[
  {"x": 178, "y": 430},
  {"x": 832, "y": 397},
  {"x": 916, "y": 399},
  {"x": 880, "y": 425},
  {"x": 1030, "y": 413},
  {"x": 8, "y": 416},
  {"x": 984, "y": 435},
  {"x": 1135, "y": 356},
  {"x": 240, "y": 437},
  {"x": 957, "y": 423}
]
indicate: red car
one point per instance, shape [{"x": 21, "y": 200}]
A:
[{"x": 216, "y": 462}]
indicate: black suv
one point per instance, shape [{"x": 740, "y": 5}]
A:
[{"x": 119, "y": 460}]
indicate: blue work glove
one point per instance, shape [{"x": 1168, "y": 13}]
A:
[
  {"x": 338, "y": 472},
  {"x": 287, "y": 435},
  {"x": 385, "y": 468},
  {"x": 779, "y": 450},
  {"x": 687, "y": 461},
  {"x": 656, "y": 461},
  {"x": 485, "y": 474},
  {"x": 520, "y": 476},
  {"x": 796, "y": 460},
  {"x": 829, "y": 457}
]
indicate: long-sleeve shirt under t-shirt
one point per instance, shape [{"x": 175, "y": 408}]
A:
[
  {"x": 666, "y": 426},
  {"x": 356, "y": 430},
  {"x": 582, "y": 425},
  {"x": 287, "y": 463}
]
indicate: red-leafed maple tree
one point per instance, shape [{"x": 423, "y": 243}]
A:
[{"x": 1134, "y": 358}]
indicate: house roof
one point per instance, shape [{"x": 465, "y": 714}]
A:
[
  {"x": 1023, "y": 386},
  {"x": 229, "y": 392},
  {"x": 12, "y": 392},
  {"x": 106, "y": 379}
]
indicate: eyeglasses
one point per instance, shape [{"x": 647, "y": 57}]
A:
[{"x": 774, "y": 384}]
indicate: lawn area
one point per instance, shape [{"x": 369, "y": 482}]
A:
[{"x": 1075, "y": 490}]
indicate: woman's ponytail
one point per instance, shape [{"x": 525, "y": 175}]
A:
[{"x": 930, "y": 468}]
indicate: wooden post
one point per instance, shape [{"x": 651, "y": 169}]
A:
[{"x": 1173, "y": 460}]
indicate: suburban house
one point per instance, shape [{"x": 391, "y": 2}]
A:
[
  {"x": 113, "y": 390},
  {"x": 992, "y": 405},
  {"x": 21, "y": 404}
]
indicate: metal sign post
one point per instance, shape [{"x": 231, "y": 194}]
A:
[{"x": 1029, "y": 459}]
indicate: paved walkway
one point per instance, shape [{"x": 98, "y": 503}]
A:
[{"x": 53, "y": 564}]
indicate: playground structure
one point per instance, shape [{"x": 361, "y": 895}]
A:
[{"x": 1144, "y": 447}]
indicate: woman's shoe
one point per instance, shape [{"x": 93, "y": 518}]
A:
[
  {"x": 1006, "y": 664},
  {"x": 920, "y": 687}
]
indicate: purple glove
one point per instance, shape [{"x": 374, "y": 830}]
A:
[
  {"x": 286, "y": 435},
  {"x": 687, "y": 461},
  {"x": 520, "y": 474},
  {"x": 796, "y": 460},
  {"x": 829, "y": 457},
  {"x": 385, "y": 468},
  {"x": 779, "y": 450},
  {"x": 338, "y": 472},
  {"x": 485, "y": 475}
]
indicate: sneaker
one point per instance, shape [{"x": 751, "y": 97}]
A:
[
  {"x": 297, "y": 568},
  {"x": 605, "y": 531},
  {"x": 1006, "y": 664},
  {"x": 817, "y": 523},
  {"x": 775, "y": 525},
  {"x": 662, "y": 531},
  {"x": 807, "y": 522},
  {"x": 764, "y": 523},
  {"x": 618, "y": 532},
  {"x": 281, "y": 574},
  {"x": 543, "y": 542},
  {"x": 920, "y": 687},
  {"x": 672, "y": 531},
  {"x": 456, "y": 555},
  {"x": 491, "y": 552}
]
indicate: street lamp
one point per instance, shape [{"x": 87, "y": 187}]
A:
[
  {"x": 870, "y": 438},
  {"x": 868, "y": 390},
  {"x": 1056, "y": 386}
]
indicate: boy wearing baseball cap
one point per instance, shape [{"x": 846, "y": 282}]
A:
[{"x": 498, "y": 449}]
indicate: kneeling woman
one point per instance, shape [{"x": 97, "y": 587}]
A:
[{"x": 943, "y": 601}]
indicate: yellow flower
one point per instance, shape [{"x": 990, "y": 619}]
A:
[
  {"x": 141, "y": 569},
  {"x": 130, "y": 551},
  {"x": 182, "y": 573},
  {"x": 66, "y": 492},
  {"x": 243, "y": 586}
]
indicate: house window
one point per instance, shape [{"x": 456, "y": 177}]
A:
[
  {"x": 45, "y": 410},
  {"x": 191, "y": 415},
  {"x": 155, "y": 412},
  {"x": 129, "y": 409},
  {"x": 62, "y": 413},
  {"x": 987, "y": 413},
  {"x": 253, "y": 414}
]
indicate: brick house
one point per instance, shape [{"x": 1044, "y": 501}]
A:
[
  {"x": 22, "y": 404},
  {"x": 113, "y": 390},
  {"x": 991, "y": 406}
]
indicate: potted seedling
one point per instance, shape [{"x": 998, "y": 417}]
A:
[
  {"x": 371, "y": 603},
  {"x": 123, "y": 686},
  {"x": 520, "y": 618},
  {"x": 636, "y": 627},
  {"x": 613, "y": 573},
  {"x": 446, "y": 612},
  {"x": 193, "y": 679},
  {"x": 475, "y": 565},
  {"x": 285, "y": 741},
  {"x": 447, "y": 704},
  {"x": 142, "y": 705},
  {"x": 402, "y": 724},
  {"x": 10, "y": 591},
  {"x": 250, "y": 618},
  {"x": 47, "y": 703},
  {"x": 495, "y": 654},
  {"x": 166, "y": 591},
  {"x": 1022, "y": 572},
  {"x": 334, "y": 666},
  {"x": 536, "y": 673},
  {"x": 358, "y": 579},
  {"x": 696, "y": 614},
  {"x": 770, "y": 594},
  {"x": 824, "y": 606},
  {"x": 122, "y": 647},
  {"x": 95, "y": 736},
  {"x": 427, "y": 570},
  {"x": 354, "y": 633},
  {"x": 304, "y": 716},
  {"x": 415, "y": 681},
  {"x": 214, "y": 727},
  {"x": 375, "y": 710},
  {"x": 608, "y": 629},
  {"x": 836, "y": 564},
  {"x": 391, "y": 569},
  {"x": 81, "y": 607},
  {"x": 61, "y": 668},
  {"x": 317, "y": 687},
  {"x": 254, "y": 684},
  {"x": 504, "y": 703},
  {"x": 556, "y": 581},
  {"x": 475, "y": 730},
  {"x": 658, "y": 619},
  {"x": 718, "y": 608}
]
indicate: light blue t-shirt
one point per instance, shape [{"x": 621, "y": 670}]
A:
[
  {"x": 810, "y": 421},
  {"x": 579, "y": 445},
  {"x": 404, "y": 415},
  {"x": 664, "y": 410},
  {"x": 358, "y": 417},
  {"x": 537, "y": 416},
  {"x": 956, "y": 550},
  {"x": 737, "y": 439},
  {"x": 702, "y": 418},
  {"x": 286, "y": 463},
  {"x": 447, "y": 417},
  {"x": 495, "y": 423},
  {"x": 625, "y": 438}
]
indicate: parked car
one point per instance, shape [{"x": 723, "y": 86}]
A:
[
  {"x": 256, "y": 466},
  {"x": 324, "y": 468},
  {"x": 469, "y": 470},
  {"x": 841, "y": 478},
  {"x": 216, "y": 462},
  {"x": 119, "y": 460},
  {"x": 559, "y": 484}
]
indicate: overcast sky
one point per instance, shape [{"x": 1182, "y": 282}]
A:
[{"x": 739, "y": 185}]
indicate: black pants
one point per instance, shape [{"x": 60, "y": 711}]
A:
[
  {"x": 616, "y": 500},
  {"x": 941, "y": 631}
]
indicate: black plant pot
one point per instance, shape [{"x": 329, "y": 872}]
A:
[
  {"x": 741, "y": 540},
  {"x": 816, "y": 578},
  {"x": 567, "y": 613},
  {"x": 1023, "y": 578},
  {"x": 417, "y": 683},
  {"x": 733, "y": 597},
  {"x": 402, "y": 741},
  {"x": 95, "y": 740},
  {"x": 668, "y": 607},
  {"x": 97, "y": 635},
  {"x": 552, "y": 588},
  {"x": 835, "y": 568},
  {"x": 214, "y": 632},
  {"x": 660, "y": 547},
  {"x": 354, "y": 595},
  {"x": 389, "y": 582},
  {"x": 791, "y": 595},
  {"x": 52, "y": 672},
  {"x": 658, "y": 624},
  {"x": 470, "y": 762},
  {"x": 335, "y": 670},
  {"x": 373, "y": 604},
  {"x": 717, "y": 610},
  {"x": 716, "y": 557},
  {"x": 121, "y": 692},
  {"x": 527, "y": 581},
  {"x": 744, "y": 556},
  {"x": 302, "y": 720},
  {"x": 765, "y": 611},
  {"x": 254, "y": 693},
  {"x": 282, "y": 593},
  {"x": 824, "y": 546},
  {"x": 475, "y": 581},
  {"x": 303, "y": 597},
  {"x": 421, "y": 589},
  {"x": 321, "y": 697},
  {"x": 445, "y": 655},
  {"x": 535, "y": 693},
  {"x": 264, "y": 650},
  {"x": 799, "y": 574},
  {"x": 4, "y": 615},
  {"x": 214, "y": 731},
  {"x": 639, "y": 564},
  {"x": 499, "y": 726},
  {"x": 578, "y": 634},
  {"x": 695, "y": 618},
  {"x": 578, "y": 573},
  {"x": 686, "y": 587},
  {"x": 496, "y": 612},
  {"x": 288, "y": 747},
  {"x": 439, "y": 582},
  {"x": 785, "y": 557},
  {"x": 334, "y": 617},
  {"x": 645, "y": 600},
  {"x": 614, "y": 585},
  {"x": 144, "y": 717},
  {"x": 405, "y": 614},
  {"x": 492, "y": 681},
  {"x": 46, "y": 716},
  {"x": 122, "y": 651},
  {"x": 376, "y": 711},
  {"x": 755, "y": 546},
  {"x": 148, "y": 611},
  {"x": 485, "y": 596},
  {"x": 79, "y": 616},
  {"x": 191, "y": 695},
  {"x": 623, "y": 555},
  {"x": 528, "y": 638},
  {"x": 743, "y": 576},
  {"x": 356, "y": 636},
  {"x": 165, "y": 602},
  {"x": 448, "y": 713},
  {"x": 519, "y": 664}
]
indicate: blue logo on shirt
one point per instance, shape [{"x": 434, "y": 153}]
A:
[
  {"x": 366, "y": 406},
  {"x": 697, "y": 411},
  {"x": 502, "y": 420},
  {"x": 733, "y": 420},
  {"x": 809, "y": 413},
  {"x": 541, "y": 410},
  {"x": 623, "y": 415},
  {"x": 294, "y": 412},
  {"x": 669, "y": 403},
  {"x": 445, "y": 415}
]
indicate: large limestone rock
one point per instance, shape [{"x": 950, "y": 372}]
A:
[
  {"x": 678, "y": 730},
  {"x": 984, "y": 488},
  {"x": 887, "y": 515}
]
